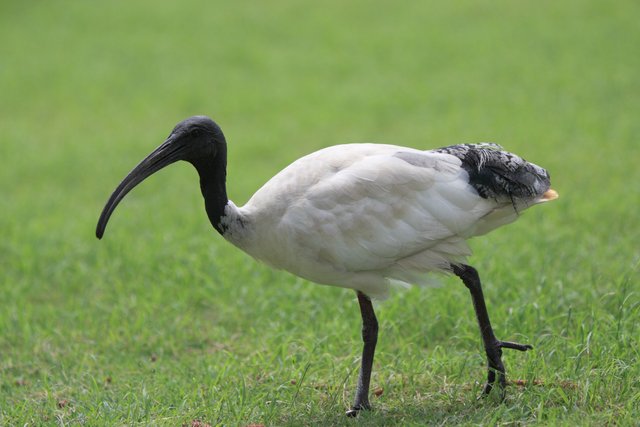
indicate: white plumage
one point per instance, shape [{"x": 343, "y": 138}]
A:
[
  {"x": 362, "y": 215},
  {"x": 358, "y": 215}
]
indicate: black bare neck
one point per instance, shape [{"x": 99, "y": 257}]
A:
[{"x": 213, "y": 176}]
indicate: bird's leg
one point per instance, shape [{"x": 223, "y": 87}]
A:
[
  {"x": 370, "y": 338},
  {"x": 493, "y": 347}
]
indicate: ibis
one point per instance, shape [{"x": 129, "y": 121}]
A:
[{"x": 363, "y": 216}]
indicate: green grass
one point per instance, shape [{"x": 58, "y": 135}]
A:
[{"x": 163, "y": 322}]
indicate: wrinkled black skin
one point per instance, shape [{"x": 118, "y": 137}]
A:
[
  {"x": 206, "y": 150},
  {"x": 197, "y": 140}
]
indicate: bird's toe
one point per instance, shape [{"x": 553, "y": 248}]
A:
[
  {"x": 514, "y": 345},
  {"x": 352, "y": 413},
  {"x": 356, "y": 409}
]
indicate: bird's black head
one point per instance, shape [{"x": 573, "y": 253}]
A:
[
  {"x": 197, "y": 140},
  {"x": 196, "y": 137}
]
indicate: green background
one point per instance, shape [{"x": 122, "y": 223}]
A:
[{"x": 164, "y": 323}]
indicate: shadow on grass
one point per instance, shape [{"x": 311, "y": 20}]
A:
[
  {"x": 437, "y": 409},
  {"x": 523, "y": 404}
]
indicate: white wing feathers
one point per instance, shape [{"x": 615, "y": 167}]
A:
[{"x": 363, "y": 208}]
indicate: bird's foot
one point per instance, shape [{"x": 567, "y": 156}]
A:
[
  {"x": 496, "y": 368},
  {"x": 355, "y": 410}
]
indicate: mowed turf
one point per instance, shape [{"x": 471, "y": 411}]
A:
[{"x": 164, "y": 323}]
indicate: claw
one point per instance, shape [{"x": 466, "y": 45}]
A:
[
  {"x": 491, "y": 379},
  {"x": 496, "y": 366},
  {"x": 355, "y": 410},
  {"x": 352, "y": 413}
]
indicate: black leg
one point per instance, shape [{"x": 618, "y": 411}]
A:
[
  {"x": 492, "y": 346},
  {"x": 370, "y": 338}
]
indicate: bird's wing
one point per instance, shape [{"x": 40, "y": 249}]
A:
[{"x": 383, "y": 207}]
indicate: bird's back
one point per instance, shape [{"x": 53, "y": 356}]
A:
[{"x": 357, "y": 215}]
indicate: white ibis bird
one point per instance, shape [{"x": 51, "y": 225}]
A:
[{"x": 359, "y": 216}]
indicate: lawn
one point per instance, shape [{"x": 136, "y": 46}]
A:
[{"x": 164, "y": 323}]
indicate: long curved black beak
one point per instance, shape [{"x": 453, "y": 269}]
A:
[{"x": 169, "y": 152}]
